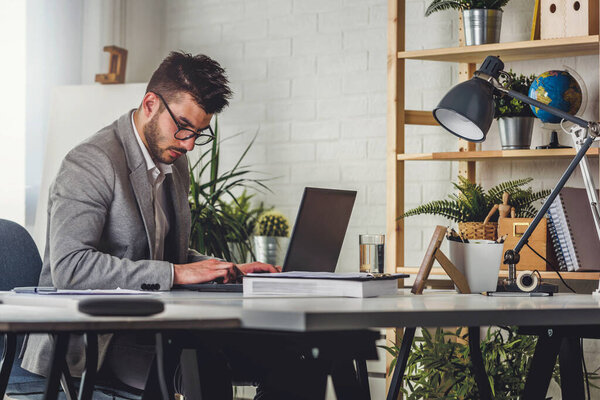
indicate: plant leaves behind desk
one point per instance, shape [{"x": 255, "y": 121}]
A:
[
  {"x": 212, "y": 225},
  {"x": 440, "y": 367}
]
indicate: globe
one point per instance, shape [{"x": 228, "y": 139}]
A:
[{"x": 557, "y": 89}]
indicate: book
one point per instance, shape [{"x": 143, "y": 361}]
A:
[
  {"x": 562, "y": 265},
  {"x": 562, "y": 233},
  {"x": 324, "y": 284},
  {"x": 581, "y": 234}
]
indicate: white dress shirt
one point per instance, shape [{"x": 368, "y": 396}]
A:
[{"x": 156, "y": 176}]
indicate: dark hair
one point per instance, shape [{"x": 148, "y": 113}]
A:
[{"x": 200, "y": 76}]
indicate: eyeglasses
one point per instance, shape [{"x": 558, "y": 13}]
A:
[{"x": 202, "y": 136}]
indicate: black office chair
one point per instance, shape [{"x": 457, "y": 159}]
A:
[{"x": 20, "y": 265}]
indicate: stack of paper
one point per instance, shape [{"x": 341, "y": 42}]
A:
[{"x": 321, "y": 284}]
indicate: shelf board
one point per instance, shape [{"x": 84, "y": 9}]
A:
[
  {"x": 487, "y": 155},
  {"x": 503, "y": 273},
  {"x": 512, "y": 51}
]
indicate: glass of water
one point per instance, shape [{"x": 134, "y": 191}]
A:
[{"x": 371, "y": 253}]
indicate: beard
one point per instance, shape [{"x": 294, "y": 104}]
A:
[{"x": 154, "y": 140}]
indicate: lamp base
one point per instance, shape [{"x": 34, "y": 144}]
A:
[
  {"x": 507, "y": 286},
  {"x": 553, "y": 143}
]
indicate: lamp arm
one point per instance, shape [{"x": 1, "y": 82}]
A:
[
  {"x": 552, "y": 110},
  {"x": 512, "y": 256}
]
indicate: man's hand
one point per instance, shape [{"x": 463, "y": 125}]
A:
[
  {"x": 203, "y": 271},
  {"x": 258, "y": 267}
]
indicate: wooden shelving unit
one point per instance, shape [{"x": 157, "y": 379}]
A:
[{"x": 466, "y": 156}]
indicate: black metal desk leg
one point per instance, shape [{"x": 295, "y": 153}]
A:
[
  {"x": 345, "y": 381},
  {"x": 59, "y": 350},
  {"x": 571, "y": 370},
  {"x": 542, "y": 364},
  {"x": 168, "y": 355},
  {"x": 363, "y": 377},
  {"x": 8, "y": 357},
  {"x": 396, "y": 383},
  {"x": 86, "y": 388},
  {"x": 483, "y": 384}
]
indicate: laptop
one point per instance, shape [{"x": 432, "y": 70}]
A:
[{"x": 316, "y": 239}]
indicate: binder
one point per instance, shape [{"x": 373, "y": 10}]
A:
[
  {"x": 560, "y": 257},
  {"x": 580, "y": 231},
  {"x": 560, "y": 225}
]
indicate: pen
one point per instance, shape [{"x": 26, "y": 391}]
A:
[
  {"x": 34, "y": 289},
  {"x": 515, "y": 294}
]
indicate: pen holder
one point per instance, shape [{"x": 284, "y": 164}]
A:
[{"x": 479, "y": 261}]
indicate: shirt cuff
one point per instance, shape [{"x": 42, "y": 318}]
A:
[{"x": 172, "y": 274}]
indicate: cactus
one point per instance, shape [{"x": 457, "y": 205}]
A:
[{"x": 272, "y": 223}]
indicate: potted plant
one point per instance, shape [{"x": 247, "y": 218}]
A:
[
  {"x": 271, "y": 237},
  {"x": 471, "y": 205},
  {"x": 241, "y": 209},
  {"x": 515, "y": 118},
  {"x": 482, "y": 19},
  {"x": 213, "y": 225}
]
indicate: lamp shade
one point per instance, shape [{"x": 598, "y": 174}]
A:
[{"x": 467, "y": 110}]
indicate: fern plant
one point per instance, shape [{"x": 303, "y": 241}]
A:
[
  {"x": 472, "y": 203},
  {"x": 440, "y": 5}
]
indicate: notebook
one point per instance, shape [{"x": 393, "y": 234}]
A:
[
  {"x": 579, "y": 234},
  {"x": 316, "y": 239}
]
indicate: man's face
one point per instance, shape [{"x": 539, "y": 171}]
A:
[{"x": 159, "y": 131}]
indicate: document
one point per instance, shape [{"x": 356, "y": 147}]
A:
[{"x": 86, "y": 292}]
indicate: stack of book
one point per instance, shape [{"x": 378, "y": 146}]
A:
[{"x": 573, "y": 232}]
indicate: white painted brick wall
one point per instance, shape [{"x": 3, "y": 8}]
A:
[{"x": 310, "y": 77}]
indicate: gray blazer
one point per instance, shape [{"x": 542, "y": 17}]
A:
[{"x": 101, "y": 225}]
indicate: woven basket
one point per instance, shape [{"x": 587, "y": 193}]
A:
[{"x": 477, "y": 230}]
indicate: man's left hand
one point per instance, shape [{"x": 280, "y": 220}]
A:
[{"x": 258, "y": 267}]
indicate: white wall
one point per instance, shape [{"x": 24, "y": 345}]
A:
[
  {"x": 310, "y": 77},
  {"x": 12, "y": 111}
]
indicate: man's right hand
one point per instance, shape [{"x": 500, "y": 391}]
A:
[{"x": 203, "y": 271}]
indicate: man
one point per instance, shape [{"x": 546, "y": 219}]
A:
[{"x": 118, "y": 213}]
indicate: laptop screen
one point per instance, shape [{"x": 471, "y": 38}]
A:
[{"x": 319, "y": 230}]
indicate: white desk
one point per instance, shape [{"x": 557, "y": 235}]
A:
[
  {"x": 439, "y": 308},
  {"x": 404, "y": 310}
]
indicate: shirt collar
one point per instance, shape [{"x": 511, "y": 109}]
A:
[{"x": 150, "y": 164}]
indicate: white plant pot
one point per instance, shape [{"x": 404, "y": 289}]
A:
[{"x": 479, "y": 261}]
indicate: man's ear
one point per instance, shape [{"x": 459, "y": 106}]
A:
[{"x": 150, "y": 105}]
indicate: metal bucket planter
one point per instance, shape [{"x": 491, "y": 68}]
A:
[
  {"x": 482, "y": 26},
  {"x": 270, "y": 249},
  {"x": 515, "y": 132}
]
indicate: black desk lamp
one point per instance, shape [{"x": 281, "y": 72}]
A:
[{"x": 467, "y": 111}]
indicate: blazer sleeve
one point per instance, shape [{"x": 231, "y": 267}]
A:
[{"x": 80, "y": 200}]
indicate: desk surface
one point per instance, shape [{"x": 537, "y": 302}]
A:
[
  {"x": 440, "y": 308},
  {"x": 34, "y": 318}
]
